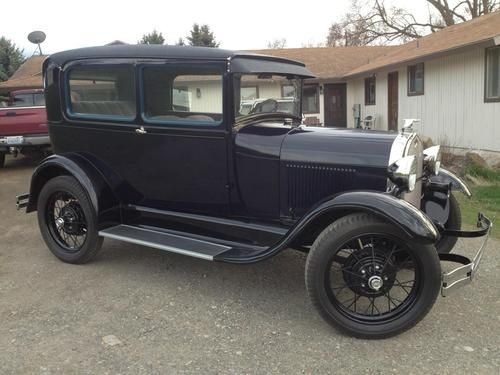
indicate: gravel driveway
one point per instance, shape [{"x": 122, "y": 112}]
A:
[{"x": 136, "y": 310}]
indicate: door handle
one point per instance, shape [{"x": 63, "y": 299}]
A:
[
  {"x": 141, "y": 130},
  {"x": 10, "y": 114}
]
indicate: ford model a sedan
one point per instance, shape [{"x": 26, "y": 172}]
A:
[{"x": 168, "y": 147}]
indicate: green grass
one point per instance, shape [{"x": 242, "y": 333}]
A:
[
  {"x": 485, "y": 199},
  {"x": 483, "y": 173}
]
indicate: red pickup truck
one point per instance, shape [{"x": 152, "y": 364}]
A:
[{"x": 23, "y": 124}]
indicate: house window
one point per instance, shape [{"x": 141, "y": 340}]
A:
[
  {"x": 370, "y": 91},
  {"x": 249, "y": 93},
  {"x": 416, "y": 79},
  {"x": 310, "y": 99},
  {"x": 492, "y": 89},
  {"x": 287, "y": 91}
]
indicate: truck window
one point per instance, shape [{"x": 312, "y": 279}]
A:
[
  {"x": 38, "y": 99},
  {"x": 23, "y": 100},
  {"x": 182, "y": 95},
  {"x": 95, "y": 91}
]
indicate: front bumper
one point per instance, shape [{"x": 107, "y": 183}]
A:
[{"x": 464, "y": 274}]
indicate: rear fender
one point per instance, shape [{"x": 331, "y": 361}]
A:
[{"x": 104, "y": 201}]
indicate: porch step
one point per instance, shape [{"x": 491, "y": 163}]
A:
[{"x": 165, "y": 241}]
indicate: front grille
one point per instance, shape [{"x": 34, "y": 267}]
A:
[{"x": 308, "y": 183}]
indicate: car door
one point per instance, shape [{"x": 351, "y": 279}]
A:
[{"x": 157, "y": 129}]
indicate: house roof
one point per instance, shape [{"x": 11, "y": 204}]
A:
[
  {"x": 29, "y": 75},
  {"x": 485, "y": 29},
  {"x": 331, "y": 62}
]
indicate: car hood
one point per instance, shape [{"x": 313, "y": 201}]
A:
[{"x": 338, "y": 146}]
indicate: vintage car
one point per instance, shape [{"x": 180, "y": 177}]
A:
[{"x": 151, "y": 149}]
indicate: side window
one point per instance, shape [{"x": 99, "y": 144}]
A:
[
  {"x": 492, "y": 90},
  {"x": 416, "y": 79},
  {"x": 102, "y": 92},
  {"x": 23, "y": 100},
  {"x": 182, "y": 95},
  {"x": 39, "y": 99}
]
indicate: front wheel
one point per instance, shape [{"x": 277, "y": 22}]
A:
[
  {"x": 67, "y": 220},
  {"x": 366, "y": 278},
  {"x": 2, "y": 159}
]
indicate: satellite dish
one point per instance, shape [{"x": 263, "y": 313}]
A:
[{"x": 37, "y": 37}]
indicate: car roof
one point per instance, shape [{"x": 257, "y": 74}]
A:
[{"x": 240, "y": 61}]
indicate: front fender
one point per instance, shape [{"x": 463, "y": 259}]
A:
[
  {"x": 447, "y": 177},
  {"x": 413, "y": 222},
  {"x": 86, "y": 173}
]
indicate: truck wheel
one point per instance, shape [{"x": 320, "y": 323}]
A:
[
  {"x": 365, "y": 277},
  {"x": 2, "y": 159},
  {"x": 67, "y": 220},
  {"x": 446, "y": 243}
]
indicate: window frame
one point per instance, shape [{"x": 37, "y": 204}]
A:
[
  {"x": 367, "y": 81},
  {"x": 415, "y": 93},
  {"x": 172, "y": 124},
  {"x": 97, "y": 117},
  {"x": 304, "y": 85},
  {"x": 486, "y": 98}
]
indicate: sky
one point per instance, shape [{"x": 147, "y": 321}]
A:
[{"x": 237, "y": 25}]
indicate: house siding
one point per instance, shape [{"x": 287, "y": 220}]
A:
[{"x": 452, "y": 108}]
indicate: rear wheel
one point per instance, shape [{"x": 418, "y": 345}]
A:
[
  {"x": 446, "y": 243},
  {"x": 67, "y": 220},
  {"x": 365, "y": 277},
  {"x": 2, "y": 159}
]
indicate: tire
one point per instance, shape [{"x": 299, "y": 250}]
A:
[
  {"x": 2, "y": 159},
  {"x": 361, "y": 277},
  {"x": 75, "y": 239},
  {"x": 446, "y": 243}
]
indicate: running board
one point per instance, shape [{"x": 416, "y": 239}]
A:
[{"x": 165, "y": 241}]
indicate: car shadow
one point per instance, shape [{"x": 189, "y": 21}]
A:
[
  {"x": 21, "y": 162},
  {"x": 274, "y": 286}
]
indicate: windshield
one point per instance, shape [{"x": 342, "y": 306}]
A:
[{"x": 266, "y": 93}]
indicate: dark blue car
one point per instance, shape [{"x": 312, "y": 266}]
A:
[{"x": 157, "y": 146}]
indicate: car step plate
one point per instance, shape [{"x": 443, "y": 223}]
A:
[{"x": 165, "y": 241}]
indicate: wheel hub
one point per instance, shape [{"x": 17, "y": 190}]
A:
[
  {"x": 369, "y": 272},
  {"x": 71, "y": 218},
  {"x": 375, "y": 282}
]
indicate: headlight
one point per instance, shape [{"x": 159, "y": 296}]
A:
[
  {"x": 404, "y": 172},
  {"x": 432, "y": 159}
]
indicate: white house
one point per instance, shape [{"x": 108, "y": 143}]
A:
[{"x": 449, "y": 79}]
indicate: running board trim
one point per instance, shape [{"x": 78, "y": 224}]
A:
[{"x": 165, "y": 241}]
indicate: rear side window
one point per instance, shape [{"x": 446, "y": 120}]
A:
[
  {"x": 182, "y": 95},
  {"x": 102, "y": 92}
]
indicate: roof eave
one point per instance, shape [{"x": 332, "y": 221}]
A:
[{"x": 489, "y": 42}]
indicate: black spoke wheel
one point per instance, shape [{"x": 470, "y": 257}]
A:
[
  {"x": 67, "y": 220},
  {"x": 365, "y": 277}
]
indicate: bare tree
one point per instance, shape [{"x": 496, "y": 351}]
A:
[
  {"x": 378, "y": 23},
  {"x": 277, "y": 43}
]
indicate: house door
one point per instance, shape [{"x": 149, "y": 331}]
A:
[
  {"x": 392, "y": 100},
  {"x": 335, "y": 105}
]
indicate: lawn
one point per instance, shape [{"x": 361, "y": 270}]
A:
[{"x": 485, "y": 199}]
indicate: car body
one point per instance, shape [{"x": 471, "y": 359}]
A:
[
  {"x": 23, "y": 124},
  {"x": 151, "y": 148}
]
